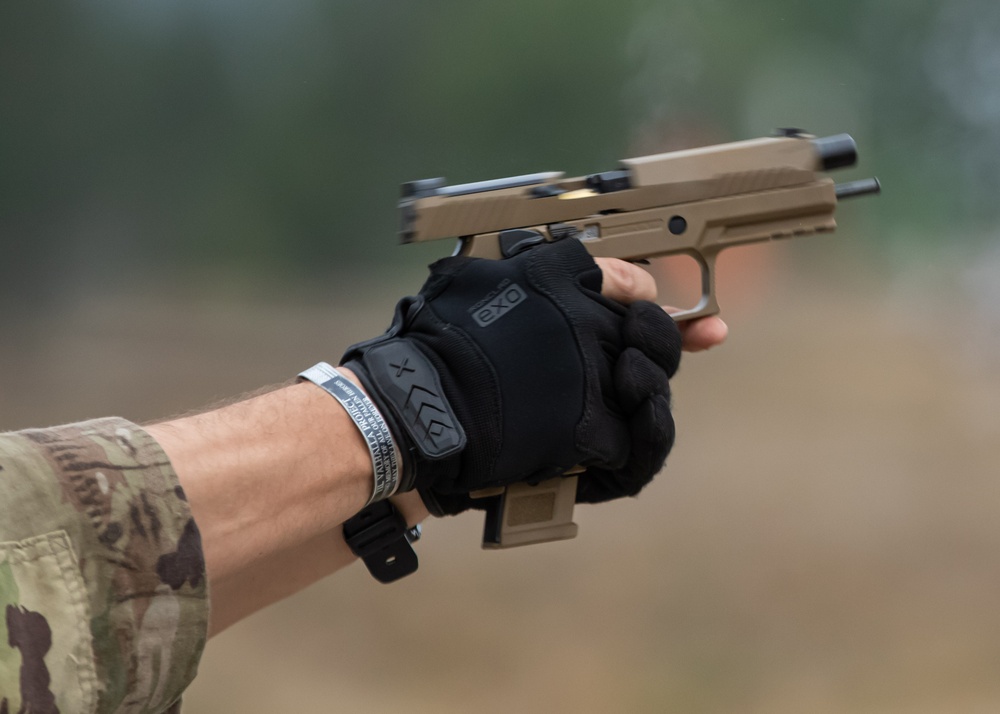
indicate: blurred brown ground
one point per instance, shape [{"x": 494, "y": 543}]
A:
[{"x": 825, "y": 537}]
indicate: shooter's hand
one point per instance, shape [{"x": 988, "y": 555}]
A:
[{"x": 519, "y": 369}]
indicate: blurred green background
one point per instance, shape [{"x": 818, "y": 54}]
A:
[{"x": 197, "y": 198}]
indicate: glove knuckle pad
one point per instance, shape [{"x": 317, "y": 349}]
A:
[{"x": 637, "y": 377}]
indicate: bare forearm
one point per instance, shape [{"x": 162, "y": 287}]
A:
[
  {"x": 267, "y": 473},
  {"x": 270, "y": 480}
]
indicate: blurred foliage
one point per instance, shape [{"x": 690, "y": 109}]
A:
[{"x": 203, "y": 136}]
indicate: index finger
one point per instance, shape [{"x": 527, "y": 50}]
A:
[{"x": 625, "y": 282}]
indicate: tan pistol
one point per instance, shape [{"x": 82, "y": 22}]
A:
[{"x": 695, "y": 202}]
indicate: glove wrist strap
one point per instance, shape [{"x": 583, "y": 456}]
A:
[{"x": 379, "y": 536}]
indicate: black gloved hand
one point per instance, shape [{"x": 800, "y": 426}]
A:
[{"x": 512, "y": 370}]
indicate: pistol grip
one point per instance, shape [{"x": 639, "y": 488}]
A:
[{"x": 523, "y": 514}]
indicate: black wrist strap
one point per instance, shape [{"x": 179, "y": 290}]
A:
[{"x": 379, "y": 536}]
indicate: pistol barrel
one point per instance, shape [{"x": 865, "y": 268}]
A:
[{"x": 836, "y": 152}]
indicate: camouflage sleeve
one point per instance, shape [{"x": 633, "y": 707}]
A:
[{"x": 103, "y": 598}]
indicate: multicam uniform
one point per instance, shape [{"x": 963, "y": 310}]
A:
[{"x": 103, "y": 597}]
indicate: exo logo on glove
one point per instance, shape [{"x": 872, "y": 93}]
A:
[
  {"x": 412, "y": 386},
  {"x": 498, "y": 303}
]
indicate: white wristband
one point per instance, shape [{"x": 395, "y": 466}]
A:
[{"x": 370, "y": 423}]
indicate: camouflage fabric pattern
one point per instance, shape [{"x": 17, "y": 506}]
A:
[{"x": 103, "y": 597}]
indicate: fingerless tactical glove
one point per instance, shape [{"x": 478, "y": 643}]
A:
[{"x": 501, "y": 371}]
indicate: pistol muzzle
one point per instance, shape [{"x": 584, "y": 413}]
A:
[{"x": 836, "y": 152}]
